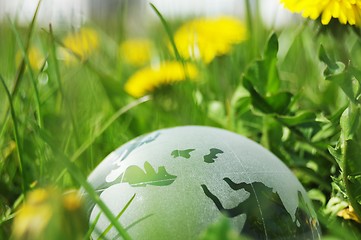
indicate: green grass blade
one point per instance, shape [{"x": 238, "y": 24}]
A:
[
  {"x": 107, "y": 124},
  {"x": 21, "y": 69},
  {"x": 92, "y": 227},
  {"x": 16, "y": 136},
  {"x": 169, "y": 33},
  {"x": 118, "y": 216},
  {"x": 102, "y": 75},
  {"x": 77, "y": 174},
  {"x": 23, "y": 50},
  {"x": 171, "y": 39},
  {"x": 60, "y": 85}
]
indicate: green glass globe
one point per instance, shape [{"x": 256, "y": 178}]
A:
[{"x": 183, "y": 179}]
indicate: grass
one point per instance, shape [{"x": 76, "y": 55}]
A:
[{"x": 295, "y": 90}]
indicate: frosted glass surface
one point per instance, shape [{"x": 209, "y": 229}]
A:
[{"x": 186, "y": 178}]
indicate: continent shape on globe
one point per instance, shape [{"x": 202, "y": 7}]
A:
[{"x": 183, "y": 179}]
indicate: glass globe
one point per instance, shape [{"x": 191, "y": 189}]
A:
[{"x": 185, "y": 178}]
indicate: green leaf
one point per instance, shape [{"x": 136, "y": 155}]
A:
[
  {"x": 300, "y": 118},
  {"x": 272, "y": 47},
  {"x": 345, "y": 81},
  {"x": 279, "y": 102},
  {"x": 337, "y": 155},
  {"x": 352, "y": 174},
  {"x": 349, "y": 121},
  {"x": 257, "y": 100},
  {"x": 264, "y": 73},
  {"x": 337, "y": 73},
  {"x": 332, "y": 66},
  {"x": 241, "y": 106}
]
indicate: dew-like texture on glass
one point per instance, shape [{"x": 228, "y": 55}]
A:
[{"x": 186, "y": 178}]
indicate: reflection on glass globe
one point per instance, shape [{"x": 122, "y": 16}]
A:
[{"x": 186, "y": 178}]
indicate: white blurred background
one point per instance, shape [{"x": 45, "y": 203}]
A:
[{"x": 74, "y": 13}]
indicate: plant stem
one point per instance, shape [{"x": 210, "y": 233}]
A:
[
  {"x": 21, "y": 69},
  {"x": 16, "y": 136},
  {"x": 169, "y": 33},
  {"x": 31, "y": 73},
  {"x": 60, "y": 85},
  {"x": 171, "y": 39},
  {"x": 107, "y": 124},
  {"x": 78, "y": 176}
]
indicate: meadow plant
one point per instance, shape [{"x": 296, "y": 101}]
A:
[{"x": 68, "y": 98}]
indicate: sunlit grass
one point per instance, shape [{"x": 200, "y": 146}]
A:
[{"x": 68, "y": 98}]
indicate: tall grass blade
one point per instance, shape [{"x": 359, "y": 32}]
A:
[
  {"x": 31, "y": 73},
  {"x": 107, "y": 124},
  {"x": 60, "y": 85},
  {"x": 118, "y": 216},
  {"x": 92, "y": 227},
  {"x": 16, "y": 136},
  {"x": 21, "y": 69},
  {"x": 77, "y": 174},
  {"x": 169, "y": 33}
]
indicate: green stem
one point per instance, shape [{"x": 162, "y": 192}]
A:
[
  {"x": 22, "y": 64},
  {"x": 249, "y": 16},
  {"x": 172, "y": 41},
  {"x": 78, "y": 176},
  {"x": 31, "y": 73},
  {"x": 105, "y": 79},
  {"x": 60, "y": 85},
  {"x": 250, "y": 27},
  {"x": 169, "y": 33},
  {"x": 351, "y": 154},
  {"x": 117, "y": 217},
  {"x": 16, "y": 136},
  {"x": 107, "y": 124},
  {"x": 21, "y": 69}
]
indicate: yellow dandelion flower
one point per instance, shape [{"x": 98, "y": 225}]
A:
[
  {"x": 148, "y": 79},
  {"x": 35, "y": 57},
  {"x": 207, "y": 38},
  {"x": 136, "y": 52},
  {"x": 72, "y": 201},
  {"x": 346, "y": 11},
  {"x": 49, "y": 214},
  {"x": 82, "y": 43},
  {"x": 34, "y": 216}
]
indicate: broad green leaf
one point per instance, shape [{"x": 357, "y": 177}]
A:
[
  {"x": 242, "y": 105},
  {"x": 352, "y": 174},
  {"x": 337, "y": 155},
  {"x": 346, "y": 83},
  {"x": 279, "y": 102},
  {"x": 300, "y": 118},
  {"x": 264, "y": 73},
  {"x": 272, "y": 47},
  {"x": 257, "y": 100},
  {"x": 326, "y": 132},
  {"x": 356, "y": 73},
  {"x": 349, "y": 121},
  {"x": 332, "y": 66},
  {"x": 337, "y": 73}
]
